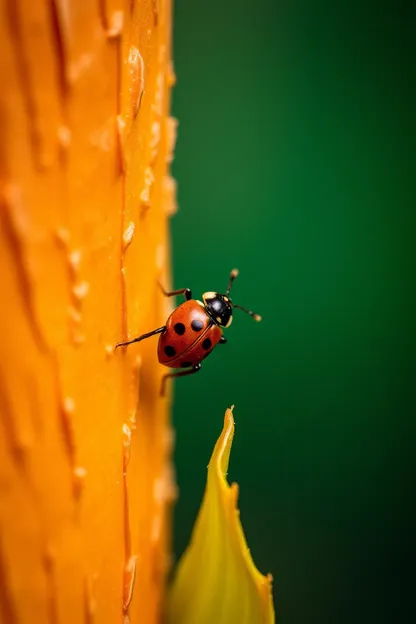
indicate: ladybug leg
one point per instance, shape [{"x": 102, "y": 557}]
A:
[
  {"x": 182, "y": 291},
  {"x": 190, "y": 371},
  {"x": 223, "y": 340},
  {"x": 142, "y": 337}
]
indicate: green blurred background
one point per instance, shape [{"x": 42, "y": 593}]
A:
[{"x": 294, "y": 162}]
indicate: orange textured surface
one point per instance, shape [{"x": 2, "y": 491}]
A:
[{"x": 85, "y": 197}]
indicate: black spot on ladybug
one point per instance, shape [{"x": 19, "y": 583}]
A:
[
  {"x": 179, "y": 328},
  {"x": 197, "y": 325},
  {"x": 207, "y": 344},
  {"x": 170, "y": 351},
  {"x": 186, "y": 364}
]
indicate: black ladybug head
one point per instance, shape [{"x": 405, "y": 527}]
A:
[{"x": 219, "y": 307}]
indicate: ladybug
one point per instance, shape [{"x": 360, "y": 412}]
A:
[{"x": 192, "y": 330}]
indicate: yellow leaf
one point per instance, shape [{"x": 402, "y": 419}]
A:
[{"x": 217, "y": 581}]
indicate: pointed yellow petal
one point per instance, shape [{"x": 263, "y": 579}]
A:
[{"x": 216, "y": 581}]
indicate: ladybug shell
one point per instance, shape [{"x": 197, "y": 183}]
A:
[{"x": 190, "y": 336}]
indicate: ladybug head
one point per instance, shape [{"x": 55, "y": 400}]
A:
[{"x": 220, "y": 308}]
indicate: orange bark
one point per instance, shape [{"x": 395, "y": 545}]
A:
[{"x": 85, "y": 195}]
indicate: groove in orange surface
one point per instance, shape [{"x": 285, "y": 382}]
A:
[{"x": 85, "y": 195}]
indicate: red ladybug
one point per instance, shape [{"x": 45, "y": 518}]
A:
[{"x": 193, "y": 329}]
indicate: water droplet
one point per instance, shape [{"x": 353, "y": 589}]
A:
[
  {"x": 171, "y": 132},
  {"x": 79, "y": 473},
  {"x": 80, "y": 290},
  {"x": 90, "y": 602},
  {"x": 74, "y": 315},
  {"x": 126, "y": 438},
  {"x": 148, "y": 181},
  {"x": 109, "y": 351},
  {"x": 169, "y": 195},
  {"x": 164, "y": 488},
  {"x": 171, "y": 77},
  {"x": 136, "y": 77},
  {"x": 68, "y": 405},
  {"x": 128, "y": 235},
  {"x": 171, "y": 489},
  {"x": 121, "y": 123},
  {"x": 66, "y": 412},
  {"x": 78, "y": 67},
  {"x": 64, "y": 137},
  {"x": 115, "y": 26},
  {"x": 129, "y": 577},
  {"x": 74, "y": 259}
]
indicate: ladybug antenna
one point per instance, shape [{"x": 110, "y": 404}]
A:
[
  {"x": 255, "y": 316},
  {"x": 233, "y": 275}
]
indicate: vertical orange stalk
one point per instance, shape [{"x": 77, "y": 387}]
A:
[{"x": 85, "y": 440}]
